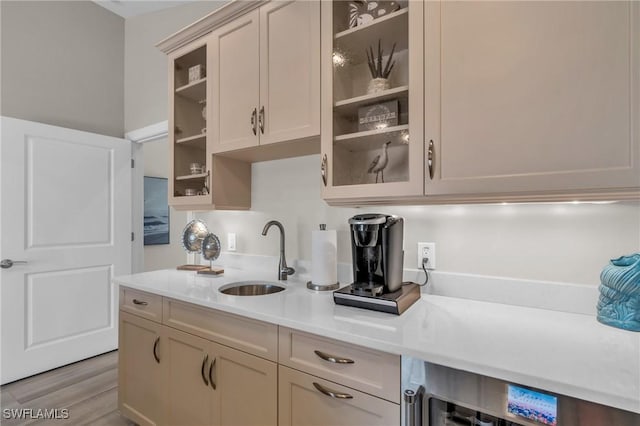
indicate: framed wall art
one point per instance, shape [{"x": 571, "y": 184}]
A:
[{"x": 156, "y": 211}]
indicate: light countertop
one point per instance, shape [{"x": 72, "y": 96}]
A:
[{"x": 566, "y": 353}]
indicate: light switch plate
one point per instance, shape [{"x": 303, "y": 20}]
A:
[{"x": 231, "y": 241}]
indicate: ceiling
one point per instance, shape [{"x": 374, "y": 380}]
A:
[{"x": 130, "y": 8}]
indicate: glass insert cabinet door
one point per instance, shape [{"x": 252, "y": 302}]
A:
[
  {"x": 372, "y": 134},
  {"x": 187, "y": 123}
]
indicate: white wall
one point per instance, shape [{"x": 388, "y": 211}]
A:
[
  {"x": 164, "y": 256},
  {"x": 551, "y": 242}
]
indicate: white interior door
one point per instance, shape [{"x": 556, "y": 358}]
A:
[{"x": 65, "y": 209}]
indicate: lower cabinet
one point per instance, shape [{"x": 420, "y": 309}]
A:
[
  {"x": 307, "y": 400},
  {"x": 140, "y": 370},
  {"x": 168, "y": 375},
  {"x": 211, "y": 384},
  {"x": 246, "y": 388},
  {"x": 189, "y": 394}
]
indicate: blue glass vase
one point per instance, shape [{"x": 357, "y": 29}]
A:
[{"x": 619, "y": 302}]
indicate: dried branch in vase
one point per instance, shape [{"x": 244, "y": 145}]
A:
[{"x": 375, "y": 63}]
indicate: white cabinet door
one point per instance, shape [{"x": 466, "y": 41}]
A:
[
  {"x": 66, "y": 211},
  {"x": 289, "y": 70},
  {"x": 246, "y": 388},
  {"x": 532, "y": 96},
  {"x": 362, "y": 164},
  {"x": 189, "y": 394},
  {"x": 234, "y": 69},
  {"x": 140, "y": 370}
]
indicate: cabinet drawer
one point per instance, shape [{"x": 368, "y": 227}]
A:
[
  {"x": 248, "y": 335},
  {"x": 368, "y": 370},
  {"x": 140, "y": 303},
  {"x": 306, "y": 400}
]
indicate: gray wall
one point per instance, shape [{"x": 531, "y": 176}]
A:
[
  {"x": 145, "y": 84},
  {"x": 63, "y": 64}
]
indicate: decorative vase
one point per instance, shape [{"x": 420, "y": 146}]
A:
[
  {"x": 378, "y": 85},
  {"x": 619, "y": 302}
]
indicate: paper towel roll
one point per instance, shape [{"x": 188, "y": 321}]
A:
[{"x": 324, "y": 257}]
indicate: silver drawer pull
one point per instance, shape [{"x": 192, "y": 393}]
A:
[
  {"x": 140, "y": 302},
  {"x": 333, "y": 359},
  {"x": 332, "y": 394}
]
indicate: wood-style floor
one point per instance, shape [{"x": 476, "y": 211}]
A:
[{"x": 87, "y": 389}]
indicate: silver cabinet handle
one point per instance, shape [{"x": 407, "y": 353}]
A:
[
  {"x": 8, "y": 263},
  {"x": 155, "y": 349},
  {"x": 333, "y": 359},
  {"x": 207, "y": 184},
  {"x": 261, "y": 119},
  {"x": 140, "y": 302},
  {"x": 332, "y": 394},
  {"x": 431, "y": 159},
  {"x": 253, "y": 121},
  {"x": 413, "y": 406},
  {"x": 213, "y": 384},
  {"x": 204, "y": 365},
  {"x": 323, "y": 169}
]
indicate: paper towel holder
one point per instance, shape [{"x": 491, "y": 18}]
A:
[
  {"x": 319, "y": 287},
  {"x": 322, "y": 287}
]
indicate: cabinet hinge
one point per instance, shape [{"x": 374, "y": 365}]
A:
[
  {"x": 133, "y": 163},
  {"x": 133, "y": 236}
]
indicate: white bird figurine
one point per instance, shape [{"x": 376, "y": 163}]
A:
[{"x": 380, "y": 162}]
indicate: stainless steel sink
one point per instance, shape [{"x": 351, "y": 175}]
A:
[{"x": 251, "y": 288}]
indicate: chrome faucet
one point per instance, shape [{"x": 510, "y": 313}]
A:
[{"x": 283, "y": 269}]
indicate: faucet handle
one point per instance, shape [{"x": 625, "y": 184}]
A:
[{"x": 289, "y": 270}]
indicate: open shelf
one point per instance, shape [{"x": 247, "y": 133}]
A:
[
  {"x": 350, "y": 106},
  {"x": 196, "y": 198},
  {"x": 354, "y": 41},
  {"x": 370, "y": 133},
  {"x": 196, "y": 90},
  {"x": 373, "y": 139},
  {"x": 193, "y": 139},
  {"x": 194, "y": 176}
]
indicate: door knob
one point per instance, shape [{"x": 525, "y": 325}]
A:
[{"x": 8, "y": 263}]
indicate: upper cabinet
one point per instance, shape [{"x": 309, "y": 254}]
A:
[
  {"x": 422, "y": 101},
  {"x": 265, "y": 76},
  {"x": 198, "y": 179},
  {"x": 532, "y": 98},
  {"x": 486, "y": 101},
  {"x": 244, "y": 86},
  {"x": 372, "y": 121}
]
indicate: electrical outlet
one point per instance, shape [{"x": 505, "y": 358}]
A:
[
  {"x": 231, "y": 241},
  {"x": 427, "y": 250}
]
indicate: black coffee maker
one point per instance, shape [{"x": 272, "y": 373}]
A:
[{"x": 377, "y": 254}]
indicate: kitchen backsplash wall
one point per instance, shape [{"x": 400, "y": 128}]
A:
[{"x": 550, "y": 242}]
